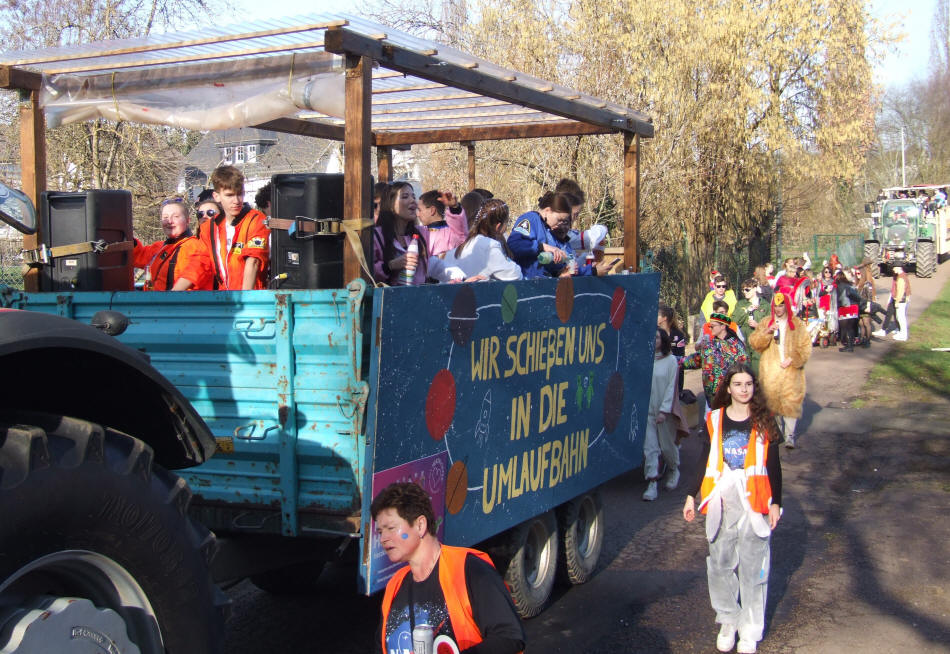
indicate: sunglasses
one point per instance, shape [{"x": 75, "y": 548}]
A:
[
  {"x": 720, "y": 285},
  {"x": 210, "y": 213},
  {"x": 175, "y": 200}
]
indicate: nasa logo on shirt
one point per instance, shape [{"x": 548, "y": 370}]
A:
[
  {"x": 523, "y": 227},
  {"x": 257, "y": 242}
]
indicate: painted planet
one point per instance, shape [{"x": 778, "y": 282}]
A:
[
  {"x": 462, "y": 318},
  {"x": 613, "y": 402},
  {"x": 509, "y": 303},
  {"x": 564, "y": 298},
  {"x": 456, "y": 487},
  {"x": 618, "y": 307},
  {"x": 440, "y": 404}
]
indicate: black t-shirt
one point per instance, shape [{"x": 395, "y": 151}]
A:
[
  {"x": 492, "y": 609},
  {"x": 735, "y": 441},
  {"x": 677, "y": 342}
]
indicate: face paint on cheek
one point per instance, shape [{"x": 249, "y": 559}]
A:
[{"x": 403, "y": 535}]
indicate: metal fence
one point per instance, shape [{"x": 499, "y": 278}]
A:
[
  {"x": 848, "y": 247},
  {"x": 11, "y": 276}
]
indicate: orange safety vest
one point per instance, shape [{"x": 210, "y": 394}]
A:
[
  {"x": 452, "y": 581},
  {"x": 757, "y": 485}
]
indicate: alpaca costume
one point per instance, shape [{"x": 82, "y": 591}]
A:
[{"x": 784, "y": 388}]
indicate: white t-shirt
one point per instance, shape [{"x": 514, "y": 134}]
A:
[{"x": 481, "y": 256}]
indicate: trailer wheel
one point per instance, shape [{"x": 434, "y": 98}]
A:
[
  {"x": 926, "y": 259},
  {"x": 531, "y": 571},
  {"x": 297, "y": 579},
  {"x": 94, "y": 534},
  {"x": 872, "y": 251},
  {"x": 581, "y": 525}
]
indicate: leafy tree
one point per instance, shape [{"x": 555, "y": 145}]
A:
[{"x": 102, "y": 153}]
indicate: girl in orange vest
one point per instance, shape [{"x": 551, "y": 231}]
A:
[
  {"x": 741, "y": 494},
  {"x": 455, "y": 590}
]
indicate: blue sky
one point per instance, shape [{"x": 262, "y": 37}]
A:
[
  {"x": 913, "y": 53},
  {"x": 909, "y": 58}
]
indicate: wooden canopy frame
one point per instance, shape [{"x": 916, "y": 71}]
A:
[{"x": 421, "y": 96}]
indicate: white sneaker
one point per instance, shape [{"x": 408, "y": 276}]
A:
[
  {"x": 880, "y": 333},
  {"x": 898, "y": 337},
  {"x": 726, "y": 639},
  {"x": 672, "y": 479},
  {"x": 650, "y": 493},
  {"x": 746, "y": 646}
]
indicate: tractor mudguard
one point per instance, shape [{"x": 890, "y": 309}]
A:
[{"x": 57, "y": 365}]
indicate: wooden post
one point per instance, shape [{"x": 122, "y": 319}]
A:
[
  {"x": 32, "y": 170},
  {"x": 357, "y": 194},
  {"x": 471, "y": 165},
  {"x": 384, "y": 163},
  {"x": 631, "y": 201}
]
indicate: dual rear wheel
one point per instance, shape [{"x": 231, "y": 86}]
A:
[{"x": 560, "y": 545}]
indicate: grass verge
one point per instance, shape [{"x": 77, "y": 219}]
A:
[{"x": 912, "y": 370}]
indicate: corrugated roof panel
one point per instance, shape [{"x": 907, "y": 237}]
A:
[{"x": 398, "y": 99}]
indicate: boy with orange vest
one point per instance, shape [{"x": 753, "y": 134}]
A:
[
  {"x": 238, "y": 240},
  {"x": 455, "y": 590},
  {"x": 741, "y": 495}
]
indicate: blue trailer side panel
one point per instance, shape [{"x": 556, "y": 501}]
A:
[
  {"x": 275, "y": 375},
  {"x": 507, "y": 399}
]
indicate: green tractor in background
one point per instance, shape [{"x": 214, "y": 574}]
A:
[{"x": 903, "y": 232}]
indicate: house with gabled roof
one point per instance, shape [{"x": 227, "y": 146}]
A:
[{"x": 260, "y": 154}]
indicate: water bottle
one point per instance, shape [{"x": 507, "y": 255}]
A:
[
  {"x": 572, "y": 264},
  {"x": 545, "y": 258},
  {"x": 409, "y": 272}
]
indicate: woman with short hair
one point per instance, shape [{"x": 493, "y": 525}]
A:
[{"x": 180, "y": 262}]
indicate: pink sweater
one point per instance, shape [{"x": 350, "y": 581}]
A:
[{"x": 449, "y": 233}]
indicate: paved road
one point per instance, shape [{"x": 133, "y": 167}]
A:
[{"x": 859, "y": 562}]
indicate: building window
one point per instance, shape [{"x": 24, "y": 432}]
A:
[
  {"x": 239, "y": 154},
  {"x": 252, "y": 153},
  {"x": 227, "y": 154}
]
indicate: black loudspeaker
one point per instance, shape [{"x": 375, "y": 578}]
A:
[
  {"x": 309, "y": 260},
  {"x": 71, "y": 218}
]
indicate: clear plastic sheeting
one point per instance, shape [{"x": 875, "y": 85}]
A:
[{"x": 204, "y": 100}]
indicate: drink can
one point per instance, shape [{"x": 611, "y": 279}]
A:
[{"x": 423, "y": 636}]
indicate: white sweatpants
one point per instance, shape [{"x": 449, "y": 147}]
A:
[
  {"x": 738, "y": 599},
  {"x": 900, "y": 312},
  {"x": 660, "y": 439}
]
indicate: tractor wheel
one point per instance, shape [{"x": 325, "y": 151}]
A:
[
  {"x": 531, "y": 571},
  {"x": 872, "y": 251},
  {"x": 926, "y": 259},
  {"x": 581, "y": 524},
  {"x": 95, "y": 534}
]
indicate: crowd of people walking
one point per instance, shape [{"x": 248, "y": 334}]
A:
[{"x": 752, "y": 351}]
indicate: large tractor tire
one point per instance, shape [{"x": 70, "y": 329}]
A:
[
  {"x": 533, "y": 567},
  {"x": 581, "y": 528},
  {"x": 872, "y": 251},
  {"x": 926, "y": 259},
  {"x": 95, "y": 534}
]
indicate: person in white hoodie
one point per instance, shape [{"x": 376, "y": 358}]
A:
[
  {"x": 661, "y": 426},
  {"x": 483, "y": 254}
]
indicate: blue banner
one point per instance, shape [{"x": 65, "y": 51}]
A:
[{"x": 535, "y": 391}]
